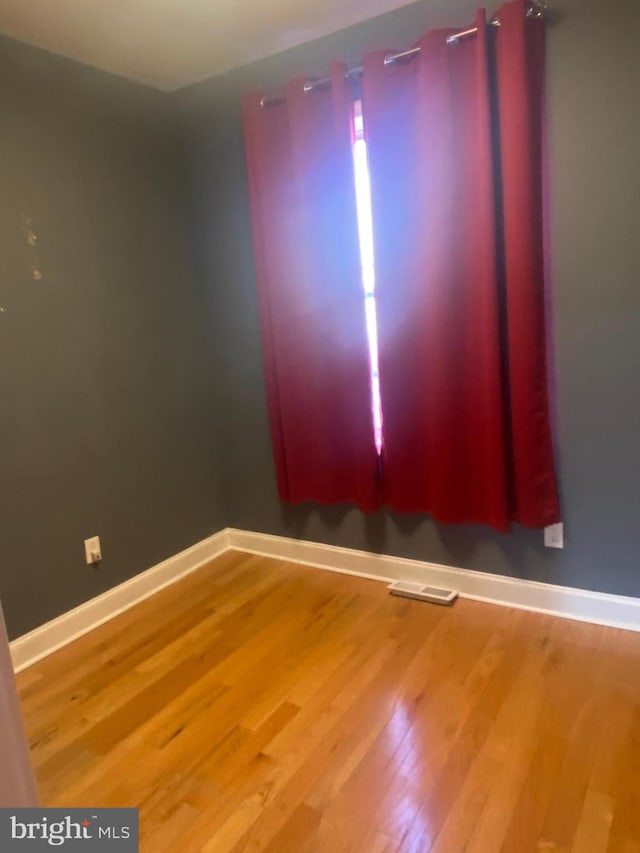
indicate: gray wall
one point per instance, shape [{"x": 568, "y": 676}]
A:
[
  {"x": 106, "y": 412},
  {"x": 594, "y": 136}
]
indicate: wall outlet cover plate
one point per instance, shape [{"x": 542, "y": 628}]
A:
[
  {"x": 554, "y": 536},
  {"x": 92, "y": 550}
]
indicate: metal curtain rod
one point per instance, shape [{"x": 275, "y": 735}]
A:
[{"x": 537, "y": 9}]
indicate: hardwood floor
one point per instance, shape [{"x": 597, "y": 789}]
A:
[{"x": 261, "y": 706}]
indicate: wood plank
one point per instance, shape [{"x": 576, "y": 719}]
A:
[{"x": 258, "y": 705}]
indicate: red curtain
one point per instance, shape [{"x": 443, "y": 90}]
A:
[
  {"x": 454, "y": 141},
  {"x": 308, "y": 275}
]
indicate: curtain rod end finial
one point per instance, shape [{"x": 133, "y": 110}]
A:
[{"x": 537, "y": 9}]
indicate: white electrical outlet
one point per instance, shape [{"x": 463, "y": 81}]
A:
[
  {"x": 554, "y": 536},
  {"x": 92, "y": 550}
]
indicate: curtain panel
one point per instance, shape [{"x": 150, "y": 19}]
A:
[
  {"x": 454, "y": 138},
  {"x": 315, "y": 349}
]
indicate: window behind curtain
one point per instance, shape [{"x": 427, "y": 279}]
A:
[{"x": 367, "y": 259}]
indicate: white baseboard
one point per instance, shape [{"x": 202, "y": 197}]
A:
[
  {"x": 617, "y": 611},
  {"x": 42, "y": 641}
]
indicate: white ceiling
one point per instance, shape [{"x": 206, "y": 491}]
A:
[{"x": 170, "y": 43}]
